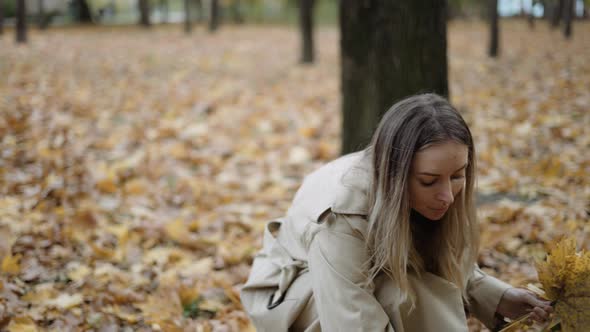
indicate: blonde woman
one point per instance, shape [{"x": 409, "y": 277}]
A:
[{"x": 385, "y": 239}]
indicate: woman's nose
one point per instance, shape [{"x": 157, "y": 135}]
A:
[{"x": 446, "y": 194}]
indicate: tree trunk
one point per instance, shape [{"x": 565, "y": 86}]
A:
[
  {"x": 188, "y": 26},
  {"x": 557, "y": 13},
  {"x": 214, "y": 18},
  {"x": 83, "y": 14},
  {"x": 236, "y": 12},
  {"x": 389, "y": 49},
  {"x": 42, "y": 19},
  {"x": 567, "y": 17},
  {"x": 1, "y": 17},
  {"x": 164, "y": 9},
  {"x": 306, "y": 24},
  {"x": 144, "y": 13},
  {"x": 494, "y": 29},
  {"x": 21, "y": 21},
  {"x": 201, "y": 12}
]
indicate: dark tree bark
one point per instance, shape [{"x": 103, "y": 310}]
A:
[
  {"x": 21, "y": 21},
  {"x": 557, "y": 13},
  {"x": 1, "y": 17},
  {"x": 188, "y": 26},
  {"x": 494, "y": 29},
  {"x": 201, "y": 13},
  {"x": 236, "y": 12},
  {"x": 214, "y": 18},
  {"x": 82, "y": 10},
  {"x": 568, "y": 12},
  {"x": 164, "y": 10},
  {"x": 144, "y": 13},
  {"x": 42, "y": 19},
  {"x": 306, "y": 24},
  {"x": 389, "y": 49}
]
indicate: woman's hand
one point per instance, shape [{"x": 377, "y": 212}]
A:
[{"x": 517, "y": 302}]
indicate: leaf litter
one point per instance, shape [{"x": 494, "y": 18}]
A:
[{"x": 138, "y": 168}]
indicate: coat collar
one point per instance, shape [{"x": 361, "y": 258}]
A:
[{"x": 341, "y": 186}]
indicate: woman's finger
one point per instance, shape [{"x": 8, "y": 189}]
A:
[
  {"x": 539, "y": 312},
  {"x": 534, "y": 301},
  {"x": 535, "y": 317}
]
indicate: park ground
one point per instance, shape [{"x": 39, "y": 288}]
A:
[{"x": 139, "y": 166}]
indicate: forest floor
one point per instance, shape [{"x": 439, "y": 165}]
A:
[{"x": 138, "y": 166}]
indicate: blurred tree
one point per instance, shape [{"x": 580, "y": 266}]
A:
[
  {"x": 21, "y": 21},
  {"x": 236, "y": 12},
  {"x": 200, "y": 12},
  {"x": 164, "y": 10},
  {"x": 389, "y": 49},
  {"x": 81, "y": 11},
  {"x": 556, "y": 12},
  {"x": 568, "y": 12},
  {"x": 1, "y": 17},
  {"x": 42, "y": 17},
  {"x": 144, "y": 13},
  {"x": 188, "y": 26},
  {"x": 306, "y": 9},
  {"x": 494, "y": 29},
  {"x": 214, "y": 17}
]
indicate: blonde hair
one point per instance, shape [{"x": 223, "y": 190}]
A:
[{"x": 407, "y": 127}]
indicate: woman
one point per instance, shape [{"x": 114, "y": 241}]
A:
[{"x": 385, "y": 239}]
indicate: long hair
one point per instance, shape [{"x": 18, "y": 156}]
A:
[{"x": 407, "y": 127}]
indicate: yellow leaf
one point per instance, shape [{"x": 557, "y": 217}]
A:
[
  {"x": 11, "y": 264},
  {"x": 22, "y": 324},
  {"x": 107, "y": 185}
]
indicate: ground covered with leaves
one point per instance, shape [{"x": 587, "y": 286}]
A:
[{"x": 138, "y": 167}]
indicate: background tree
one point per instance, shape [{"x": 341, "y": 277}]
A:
[
  {"x": 556, "y": 12},
  {"x": 382, "y": 60},
  {"x": 144, "y": 13},
  {"x": 42, "y": 18},
  {"x": 188, "y": 26},
  {"x": 21, "y": 21},
  {"x": 568, "y": 12},
  {"x": 235, "y": 9},
  {"x": 81, "y": 11},
  {"x": 1, "y": 17},
  {"x": 306, "y": 24},
  {"x": 494, "y": 29},
  {"x": 164, "y": 11},
  {"x": 214, "y": 17}
]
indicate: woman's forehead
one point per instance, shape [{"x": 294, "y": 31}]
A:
[{"x": 441, "y": 158}]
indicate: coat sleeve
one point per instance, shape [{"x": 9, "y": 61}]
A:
[
  {"x": 484, "y": 292},
  {"x": 336, "y": 262}
]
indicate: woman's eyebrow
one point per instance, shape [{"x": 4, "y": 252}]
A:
[{"x": 434, "y": 174}]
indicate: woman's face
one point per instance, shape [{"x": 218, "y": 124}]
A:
[{"x": 437, "y": 176}]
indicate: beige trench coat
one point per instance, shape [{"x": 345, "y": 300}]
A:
[{"x": 309, "y": 274}]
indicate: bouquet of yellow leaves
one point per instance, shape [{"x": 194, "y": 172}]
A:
[{"x": 565, "y": 276}]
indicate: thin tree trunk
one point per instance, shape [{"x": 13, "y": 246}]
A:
[
  {"x": 164, "y": 9},
  {"x": 567, "y": 18},
  {"x": 201, "y": 15},
  {"x": 83, "y": 11},
  {"x": 236, "y": 12},
  {"x": 494, "y": 29},
  {"x": 214, "y": 18},
  {"x": 306, "y": 24},
  {"x": 144, "y": 13},
  {"x": 21, "y": 21},
  {"x": 41, "y": 16},
  {"x": 1, "y": 17},
  {"x": 557, "y": 13},
  {"x": 188, "y": 26},
  {"x": 381, "y": 62}
]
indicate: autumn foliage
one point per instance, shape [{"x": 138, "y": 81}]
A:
[{"x": 138, "y": 168}]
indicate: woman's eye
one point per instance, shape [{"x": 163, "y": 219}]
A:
[
  {"x": 427, "y": 184},
  {"x": 458, "y": 177}
]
